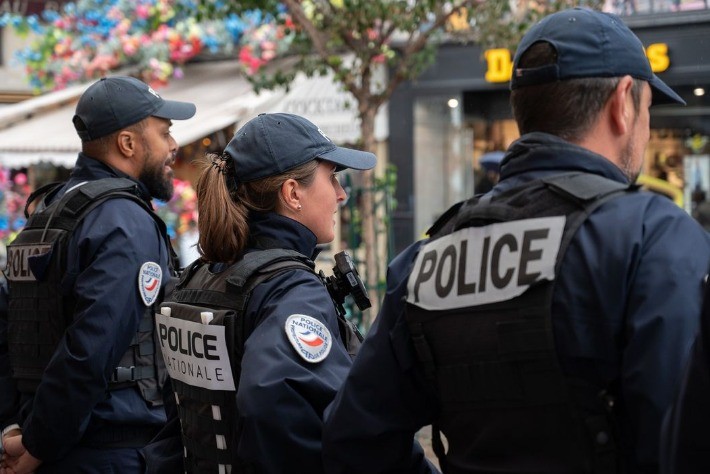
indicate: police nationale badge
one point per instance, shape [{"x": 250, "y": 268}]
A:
[
  {"x": 149, "y": 278},
  {"x": 310, "y": 337}
]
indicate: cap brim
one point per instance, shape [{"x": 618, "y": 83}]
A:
[
  {"x": 349, "y": 158},
  {"x": 175, "y": 110},
  {"x": 662, "y": 94}
]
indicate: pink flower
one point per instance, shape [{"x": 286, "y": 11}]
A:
[
  {"x": 20, "y": 179},
  {"x": 142, "y": 12}
]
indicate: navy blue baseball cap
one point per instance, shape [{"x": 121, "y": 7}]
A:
[
  {"x": 114, "y": 103},
  {"x": 271, "y": 144},
  {"x": 588, "y": 44}
]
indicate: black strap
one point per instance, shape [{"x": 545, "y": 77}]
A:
[
  {"x": 132, "y": 374},
  {"x": 265, "y": 261},
  {"x": 41, "y": 191}
]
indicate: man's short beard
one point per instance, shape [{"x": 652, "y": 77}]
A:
[
  {"x": 627, "y": 163},
  {"x": 159, "y": 186}
]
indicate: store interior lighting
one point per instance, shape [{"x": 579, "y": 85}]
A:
[
  {"x": 453, "y": 103},
  {"x": 699, "y": 91}
]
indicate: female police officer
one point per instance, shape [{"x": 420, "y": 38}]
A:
[{"x": 274, "y": 188}]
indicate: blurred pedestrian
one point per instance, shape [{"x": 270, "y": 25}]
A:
[
  {"x": 541, "y": 327},
  {"x": 490, "y": 172}
]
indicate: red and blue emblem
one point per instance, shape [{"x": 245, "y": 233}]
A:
[
  {"x": 309, "y": 336},
  {"x": 149, "y": 278}
]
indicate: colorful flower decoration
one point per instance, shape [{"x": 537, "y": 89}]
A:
[
  {"x": 180, "y": 211},
  {"x": 89, "y": 38},
  {"x": 14, "y": 191}
]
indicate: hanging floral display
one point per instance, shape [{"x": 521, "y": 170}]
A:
[
  {"x": 89, "y": 38},
  {"x": 14, "y": 191}
]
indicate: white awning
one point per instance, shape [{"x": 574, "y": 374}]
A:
[
  {"x": 40, "y": 129},
  {"x": 333, "y": 110}
]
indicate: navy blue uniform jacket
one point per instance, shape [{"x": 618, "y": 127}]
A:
[
  {"x": 105, "y": 254},
  {"x": 625, "y": 309}
]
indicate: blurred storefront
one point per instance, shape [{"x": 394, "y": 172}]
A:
[{"x": 457, "y": 111}]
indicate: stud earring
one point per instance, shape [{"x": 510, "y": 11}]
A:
[{"x": 299, "y": 207}]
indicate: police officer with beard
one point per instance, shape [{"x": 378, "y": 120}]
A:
[
  {"x": 80, "y": 305},
  {"x": 541, "y": 327}
]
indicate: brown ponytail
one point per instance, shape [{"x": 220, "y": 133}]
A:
[{"x": 224, "y": 211}]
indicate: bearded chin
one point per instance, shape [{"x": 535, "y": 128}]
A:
[{"x": 160, "y": 186}]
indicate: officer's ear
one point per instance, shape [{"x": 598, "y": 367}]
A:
[
  {"x": 127, "y": 141},
  {"x": 621, "y": 108},
  {"x": 290, "y": 195}
]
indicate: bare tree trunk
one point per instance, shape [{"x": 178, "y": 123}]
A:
[{"x": 369, "y": 238}]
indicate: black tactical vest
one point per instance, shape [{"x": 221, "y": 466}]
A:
[
  {"x": 39, "y": 312},
  {"x": 202, "y": 332},
  {"x": 479, "y": 311}
]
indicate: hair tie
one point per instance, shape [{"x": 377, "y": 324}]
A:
[{"x": 220, "y": 163}]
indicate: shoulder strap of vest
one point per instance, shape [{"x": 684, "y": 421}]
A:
[
  {"x": 590, "y": 191},
  {"x": 445, "y": 218},
  {"x": 45, "y": 190},
  {"x": 66, "y": 212},
  {"x": 242, "y": 277},
  {"x": 585, "y": 186},
  {"x": 83, "y": 198},
  {"x": 587, "y": 190},
  {"x": 266, "y": 262}
]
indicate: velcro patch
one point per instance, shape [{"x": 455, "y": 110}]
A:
[
  {"x": 149, "y": 278},
  {"x": 310, "y": 337}
]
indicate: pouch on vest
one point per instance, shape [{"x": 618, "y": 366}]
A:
[{"x": 479, "y": 311}]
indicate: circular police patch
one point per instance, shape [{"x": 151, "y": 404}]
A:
[
  {"x": 149, "y": 278},
  {"x": 309, "y": 337}
]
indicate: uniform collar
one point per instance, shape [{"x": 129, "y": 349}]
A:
[
  {"x": 272, "y": 230},
  {"x": 542, "y": 154},
  {"x": 91, "y": 169}
]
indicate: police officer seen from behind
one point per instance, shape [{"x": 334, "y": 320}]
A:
[
  {"x": 83, "y": 277},
  {"x": 269, "y": 347},
  {"x": 542, "y": 327}
]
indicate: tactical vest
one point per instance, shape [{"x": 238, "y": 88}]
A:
[
  {"x": 38, "y": 310},
  {"x": 202, "y": 332},
  {"x": 479, "y": 311}
]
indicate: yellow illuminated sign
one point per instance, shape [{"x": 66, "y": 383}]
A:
[
  {"x": 499, "y": 62},
  {"x": 657, "y": 55},
  {"x": 500, "y": 65}
]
